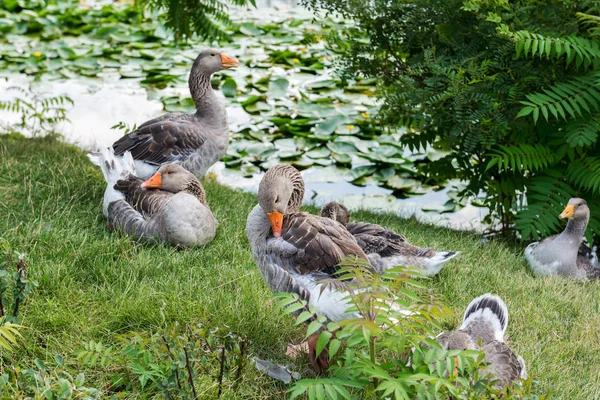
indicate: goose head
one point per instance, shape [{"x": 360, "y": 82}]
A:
[
  {"x": 576, "y": 210},
  {"x": 171, "y": 178},
  {"x": 337, "y": 212},
  {"x": 210, "y": 61},
  {"x": 280, "y": 192}
]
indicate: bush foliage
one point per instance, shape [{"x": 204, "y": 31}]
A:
[
  {"x": 510, "y": 88},
  {"x": 388, "y": 350}
]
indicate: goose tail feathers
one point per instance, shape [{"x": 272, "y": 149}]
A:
[
  {"x": 491, "y": 309},
  {"x": 114, "y": 168}
]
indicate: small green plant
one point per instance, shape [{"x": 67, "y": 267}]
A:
[
  {"x": 388, "y": 350},
  {"x": 125, "y": 127},
  {"x": 174, "y": 362},
  {"x": 39, "y": 115},
  {"x": 45, "y": 382},
  {"x": 14, "y": 288}
]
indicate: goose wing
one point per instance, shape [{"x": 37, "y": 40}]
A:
[
  {"x": 373, "y": 238},
  {"x": 145, "y": 202},
  {"x": 311, "y": 244},
  {"x": 169, "y": 138},
  {"x": 503, "y": 363}
]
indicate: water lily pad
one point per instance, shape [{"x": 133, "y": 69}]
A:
[
  {"x": 326, "y": 128},
  {"x": 320, "y": 152},
  {"x": 250, "y": 29},
  {"x": 359, "y": 172},
  {"x": 342, "y": 147},
  {"x": 342, "y": 158},
  {"x": 399, "y": 183},
  {"x": 86, "y": 63},
  {"x": 229, "y": 87},
  {"x": 66, "y": 53},
  {"x": 278, "y": 88}
]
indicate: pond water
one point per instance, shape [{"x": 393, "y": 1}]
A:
[{"x": 106, "y": 100}]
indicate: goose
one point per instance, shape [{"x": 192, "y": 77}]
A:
[
  {"x": 386, "y": 248},
  {"x": 565, "y": 254},
  {"x": 299, "y": 253},
  {"x": 170, "y": 206},
  {"x": 196, "y": 140},
  {"x": 483, "y": 326},
  {"x": 295, "y": 250}
]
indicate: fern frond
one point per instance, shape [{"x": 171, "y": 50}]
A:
[
  {"x": 546, "y": 196},
  {"x": 522, "y": 157},
  {"x": 585, "y": 174},
  {"x": 583, "y": 51},
  {"x": 568, "y": 99},
  {"x": 583, "y": 133}
]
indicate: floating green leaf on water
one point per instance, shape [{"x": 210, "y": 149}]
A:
[
  {"x": 250, "y": 29},
  {"x": 278, "y": 87},
  {"x": 229, "y": 87}
]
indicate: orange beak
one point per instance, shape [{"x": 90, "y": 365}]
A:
[
  {"x": 276, "y": 219},
  {"x": 228, "y": 62},
  {"x": 154, "y": 182},
  {"x": 568, "y": 211}
]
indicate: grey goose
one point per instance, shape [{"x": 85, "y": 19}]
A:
[
  {"x": 483, "y": 327},
  {"x": 196, "y": 140},
  {"x": 565, "y": 254},
  {"x": 169, "y": 207},
  {"x": 386, "y": 248}
]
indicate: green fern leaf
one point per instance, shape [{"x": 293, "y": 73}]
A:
[
  {"x": 583, "y": 133},
  {"x": 546, "y": 198},
  {"x": 585, "y": 174}
]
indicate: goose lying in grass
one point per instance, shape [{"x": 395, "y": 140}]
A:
[
  {"x": 565, "y": 254},
  {"x": 197, "y": 140},
  {"x": 483, "y": 327},
  {"x": 386, "y": 248},
  {"x": 170, "y": 206}
]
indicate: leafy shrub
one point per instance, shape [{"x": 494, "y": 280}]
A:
[
  {"x": 388, "y": 351},
  {"x": 14, "y": 288},
  {"x": 45, "y": 382},
  {"x": 509, "y": 88},
  {"x": 173, "y": 362}
]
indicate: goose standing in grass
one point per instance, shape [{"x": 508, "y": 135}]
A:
[
  {"x": 386, "y": 248},
  {"x": 565, "y": 254},
  {"x": 196, "y": 140},
  {"x": 483, "y": 327},
  {"x": 171, "y": 206}
]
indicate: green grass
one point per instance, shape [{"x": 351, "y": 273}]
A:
[{"x": 95, "y": 284}]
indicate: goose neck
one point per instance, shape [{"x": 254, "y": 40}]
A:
[{"x": 195, "y": 189}]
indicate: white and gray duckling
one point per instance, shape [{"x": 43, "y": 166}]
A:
[
  {"x": 565, "y": 254},
  {"x": 386, "y": 248},
  {"x": 170, "y": 206},
  {"x": 483, "y": 327}
]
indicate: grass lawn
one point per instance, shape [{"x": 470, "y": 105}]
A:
[{"x": 94, "y": 284}]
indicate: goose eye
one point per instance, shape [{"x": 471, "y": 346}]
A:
[
  {"x": 277, "y": 199},
  {"x": 212, "y": 54}
]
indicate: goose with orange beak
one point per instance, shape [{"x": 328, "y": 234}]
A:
[
  {"x": 195, "y": 140},
  {"x": 565, "y": 254},
  {"x": 168, "y": 207}
]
